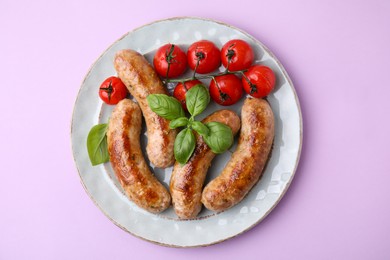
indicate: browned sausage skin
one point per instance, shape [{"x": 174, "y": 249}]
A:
[
  {"x": 141, "y": 80},
  {"x": 127, "y": 160},
  {"x": 187, "y": 180},
  {"x": 247, "y": 163}
]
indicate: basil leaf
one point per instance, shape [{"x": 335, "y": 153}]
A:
[
  {"x": 97, "y": 144},
  {"x": 178, "y": 122},
  {"x": 220, "y": 137},
  {"x": 197, "y": 99},
  {"x": 184, "y": 145},
  {"x": 165, "y": 106},
  {"x": 200, "y": 128}
]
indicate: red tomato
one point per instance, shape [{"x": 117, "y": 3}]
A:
[
  {"x": 112, "y": 90},
  {"x": 181, "y": 89},
  {"x": 203, "y": 56},
  {"x": 170, "y": 61},
  {"x": 226, "y": 90},
  {"x": 237, "y": 55},
  {"x": 258, "y": 81}
]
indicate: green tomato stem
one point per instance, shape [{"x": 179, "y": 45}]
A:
[{"x": 226, "y": 72}]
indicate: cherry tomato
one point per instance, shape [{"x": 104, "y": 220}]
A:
[
  {"x": 258, "y": 81},
  {"x": 170, "y": 61},
  {"x": 203, "y": 56},
  {"x": 226, "y": 90},
  {"x": 112, "y": 90},
  {"x": 237, "y": 55},
  {"x": 181, "y": 89}
]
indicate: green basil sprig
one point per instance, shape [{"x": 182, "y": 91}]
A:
[
  {"x": 178, "y": 122},
  {"x": 184, "y": 145},
  {"x": 218, "y": 137},
  {"x": 97, "y": 144},
  {"x": 199, "y": 127},
  {"x": 197, "y": 99},
  {"x": 165, "y": 106}
]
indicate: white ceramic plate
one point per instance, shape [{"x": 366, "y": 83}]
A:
[{"x": 209, "y": 228}]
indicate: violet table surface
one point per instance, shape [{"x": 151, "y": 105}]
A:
[{"x": 338, "y": 56}]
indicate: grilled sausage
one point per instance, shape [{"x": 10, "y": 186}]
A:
[
  {"x": 141, "y": 80},
  {"x": 123, "y": 139},
  {"x": 246, "y": 164},
  {"x": 187, "y": 180}
]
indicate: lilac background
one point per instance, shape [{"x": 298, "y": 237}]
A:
[{"x": 337, "y": 54}]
